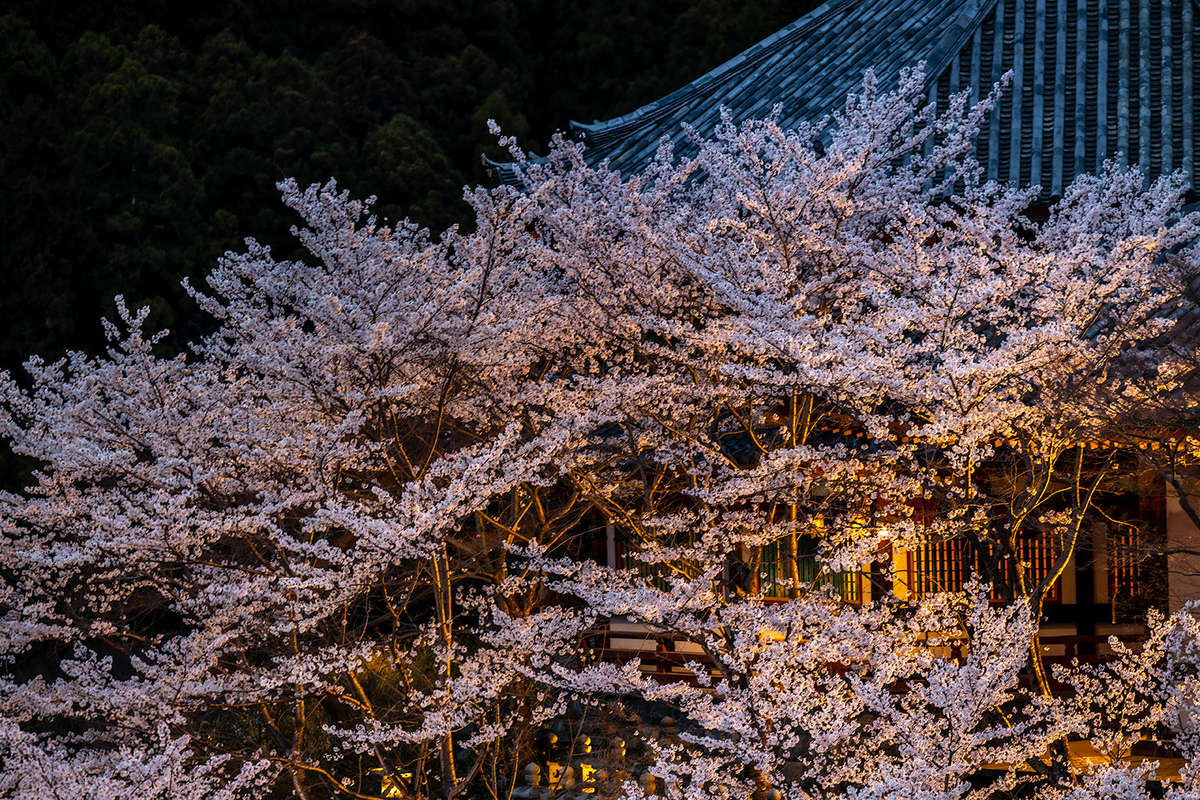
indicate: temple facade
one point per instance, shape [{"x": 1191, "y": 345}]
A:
[{"x": 1091, "y": 81}]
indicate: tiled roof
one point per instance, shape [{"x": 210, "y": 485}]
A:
[{"x": 1091, "y": 78}]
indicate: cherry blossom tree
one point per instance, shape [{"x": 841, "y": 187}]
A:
[{"x": 350, "y": 539}]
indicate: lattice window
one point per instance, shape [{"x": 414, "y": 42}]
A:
[
  {"x": 775, "y": 570},
  {"x": 946, "y": 565},
  {"x": 942, "y": 566},
  {"x": 1039, "y": 554},
  {"x": 1125, "y": 563},
  {"x": 655, "y": 573}
]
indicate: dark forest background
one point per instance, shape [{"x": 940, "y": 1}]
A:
[{"x": 140, "y": 140}]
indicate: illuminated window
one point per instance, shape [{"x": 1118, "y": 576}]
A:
[
  {"x": 655, "y": 573},
  {"x": 939, "y": 567},
  {"x": 945, "y": 566},
  {"x": 776, "y": 570},
  {"x": 1125, "y": 563},
  {"x": 1038, "y": 554}
]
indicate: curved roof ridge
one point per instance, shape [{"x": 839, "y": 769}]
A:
[
  {"x": 745, "y": 58},
  {"x": 956, "y": 36}
]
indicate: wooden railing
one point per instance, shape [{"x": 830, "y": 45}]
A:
[
  {"x": 661, "y": 652},
  {"x": 664, "y": 656}
]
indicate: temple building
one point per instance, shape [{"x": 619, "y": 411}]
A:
[{"x": 1091, "y": 81}]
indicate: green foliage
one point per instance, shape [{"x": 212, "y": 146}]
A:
[
  {"x": 412, "y": 172},
  {"x": 144, "y": 139}
]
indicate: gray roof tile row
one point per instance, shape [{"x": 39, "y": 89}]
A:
[{"x": 1093, "y": 80}]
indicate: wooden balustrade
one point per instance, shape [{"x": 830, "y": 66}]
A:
[{"x": 666, "y": 654}]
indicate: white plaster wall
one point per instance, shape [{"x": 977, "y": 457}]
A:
[
  {"x": 1067, "y": 583},
  {"x": 1183, "y": 570},
  {"x": 1099, "y": 563}
]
